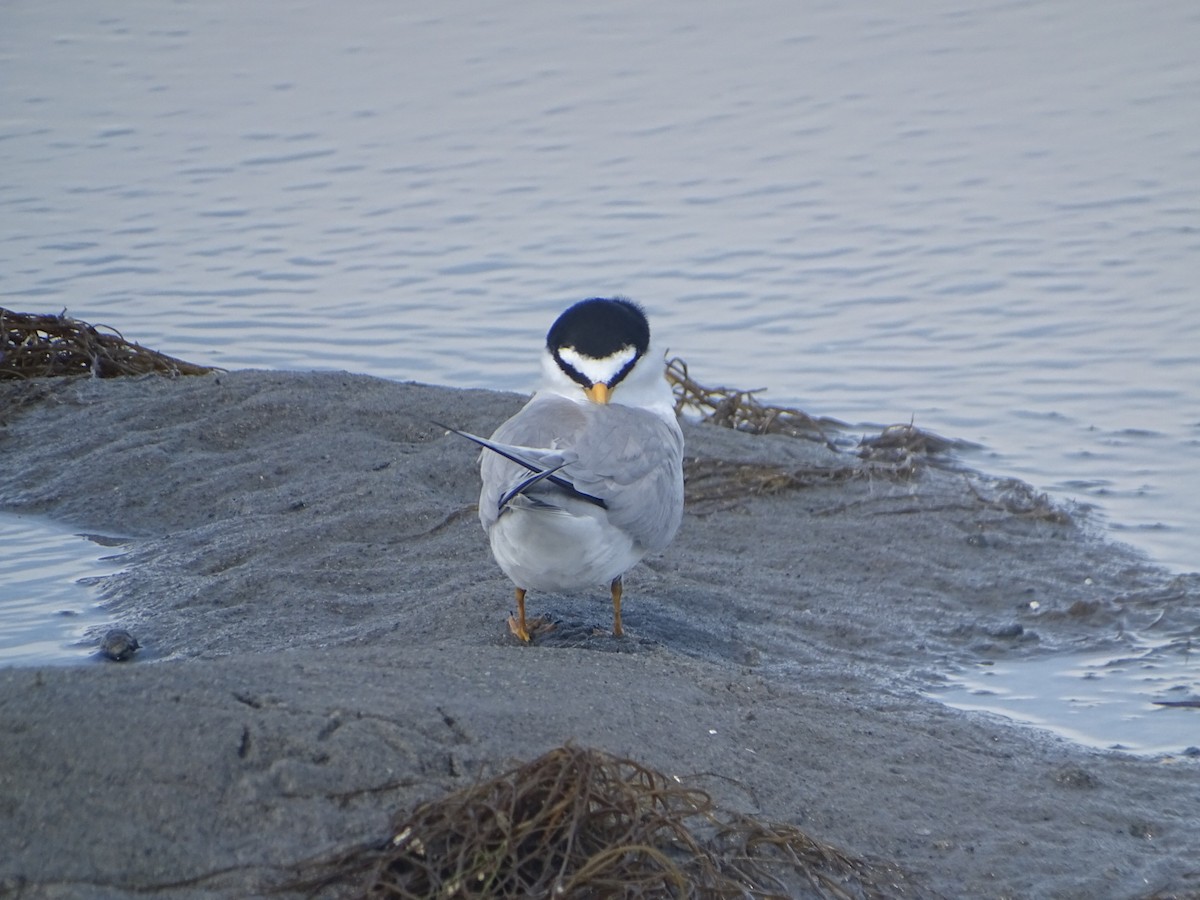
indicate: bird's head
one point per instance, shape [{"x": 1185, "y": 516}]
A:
[{"x": 595, "y": 347}]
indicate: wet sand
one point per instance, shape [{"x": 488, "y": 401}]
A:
[{"x": 324, "y": 645}]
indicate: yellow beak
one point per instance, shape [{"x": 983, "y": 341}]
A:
[{"x": 597, "y": 393}]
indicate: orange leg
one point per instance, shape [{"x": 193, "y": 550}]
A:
[
  {"x": 617, "y": 590},
  {"x": 517, "y": 625}
]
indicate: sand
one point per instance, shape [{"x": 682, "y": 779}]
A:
[{"x": 324, "y": 645}]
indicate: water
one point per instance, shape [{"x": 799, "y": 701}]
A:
[
  {"x": 983, "y": 218},
  {"x": 49, "y": 599},
  {"x": 1109, "y": 700}
]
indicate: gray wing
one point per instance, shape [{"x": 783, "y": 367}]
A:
[{"x": 627, "y": 457}]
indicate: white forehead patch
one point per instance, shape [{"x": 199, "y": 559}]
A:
[{"x": 597, "y": 370}]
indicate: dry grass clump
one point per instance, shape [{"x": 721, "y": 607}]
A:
[
  {"x": 742, "y": 411},
  {"x": 580, "y": 823},
  {"x": 39, "y": 346}
]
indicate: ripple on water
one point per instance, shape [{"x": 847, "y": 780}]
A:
[
  {"x": 49, "y": 599},
  {"x": 1142, "y": 698}
]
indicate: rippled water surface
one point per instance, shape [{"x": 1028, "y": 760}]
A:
[
  {"x": 49, "y": 605},
  {"x": 983, "y": 217},
  {"x": 1143, "y": 698}
]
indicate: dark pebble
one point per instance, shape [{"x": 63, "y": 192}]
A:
[
  {"x": 1144, "y": 830},
  {"x": 119, "y": 645}
]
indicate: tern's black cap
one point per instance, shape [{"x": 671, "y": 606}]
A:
[{"x": 600, "y": 327}]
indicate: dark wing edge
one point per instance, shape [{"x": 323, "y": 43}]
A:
[{"x": 540, "y": 473}]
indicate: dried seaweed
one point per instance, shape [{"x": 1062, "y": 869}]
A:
[
  {"x": 718, "y": 480},
  {"x": 899, "y": 449},
  {"x": 901, "y": 443},
  {"x": 582, "y": 823},
  {"x": 742, "y": 410},
  {"x": 40, "y": 346},
  {"x": 897, "y": 452},
  {"x": 1016, "y": 498},
  {"x": 904, "y": 449}
]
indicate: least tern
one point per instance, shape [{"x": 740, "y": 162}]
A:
[{"x": 588, "y": 477}]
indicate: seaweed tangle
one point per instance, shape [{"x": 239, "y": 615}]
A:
[
  {"x": 742, "y": 410},
  {"x": 41, "y": 346},
  {"x": 582, "y": 823}
]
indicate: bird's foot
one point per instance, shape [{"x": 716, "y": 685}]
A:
[{"x": 526, "y": 630}]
